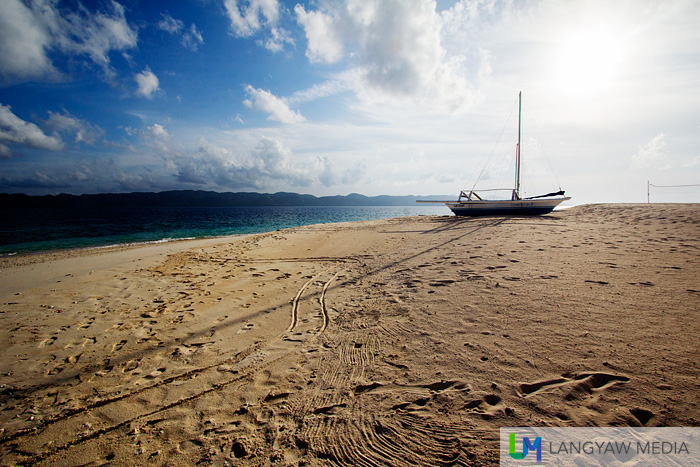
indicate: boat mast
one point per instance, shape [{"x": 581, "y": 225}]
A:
[{"x": 516, "y": 192}]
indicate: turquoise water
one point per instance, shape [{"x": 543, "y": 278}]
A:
[{"x": 33, "y": 230}]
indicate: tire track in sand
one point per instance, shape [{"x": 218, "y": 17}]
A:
[
  {"x": 322, "y": 302},
  {"x": 68, "y": 430}
]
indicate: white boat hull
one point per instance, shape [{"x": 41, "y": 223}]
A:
[{"x": 524, "y": 207}]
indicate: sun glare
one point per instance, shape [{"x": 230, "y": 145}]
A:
[{"x": 588, "y": 62}]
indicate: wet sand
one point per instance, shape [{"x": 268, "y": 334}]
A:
[{"x": 400, "y": 342}]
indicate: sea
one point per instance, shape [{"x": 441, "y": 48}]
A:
[{"x": 35, "y": 230}]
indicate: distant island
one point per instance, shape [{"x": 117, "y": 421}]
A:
[{"x": 191, "y": 198}]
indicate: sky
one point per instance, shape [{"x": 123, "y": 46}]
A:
[{"x": 331, "y": 97}]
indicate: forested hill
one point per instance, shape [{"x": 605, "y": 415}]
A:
[{"x": 201, "y": 199}]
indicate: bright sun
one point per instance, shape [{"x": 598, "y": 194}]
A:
[{"x": 588, "y": 62}]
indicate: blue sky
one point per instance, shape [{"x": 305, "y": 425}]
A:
[{"x": 339, "y": 96}]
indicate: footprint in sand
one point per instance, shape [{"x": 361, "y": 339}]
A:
[
  {"x": 48, "y": 342},
  {"x": 643, "y": 416},
  {"x": 488, "y": 406},
  {"x": 118, "y": 346},
  {"x": 441, "y": 283},
  {"x": 584, "y": 382},
  {"x": 56, "y": 370},
  {"x": 155, "y": 374},
  {"x": 73, "y": 359},
  {"x": 89, "y": 341},
  {"x": 131, "y": 365},
  {"x": 86, "y": 325},
  {"x": 105, "y": 371}
]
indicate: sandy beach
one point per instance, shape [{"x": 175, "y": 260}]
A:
[{"x": 401, "y": 342}]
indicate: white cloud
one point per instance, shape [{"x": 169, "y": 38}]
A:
[
  {"x": 651, "y": 155},
  {"x": 248, "y": 17},
  {"x": 355, "y": 175},
  {"x": 324, "y": 43},
  {"x": 99, "y": 34},
  {"x": 67, "y": 124},
  {"x": 147, "y": 83},
  {"x": 170, "y": 24},
  {"x": 318, "y": 91},
  {"x": 394, "y": 49},
  {"x": 327, "y": 177},
  {"x": 14, "y": 130},
  {"x": 5, "y": 151},
  {"x": 267, "y": 165},
  {"x": 157, "y": 136},
  {"x": 29, "y": 33},
  {"x": 656, "y": 155},
  {"x": 23, "y": 44},
  {"x": 191, "y": 38},
  {"x": 158, "y": 132},
  {"x": 277, "y": 39},
  {"x": 277, "y": 107},
  {"x": 153, "y": 132}
]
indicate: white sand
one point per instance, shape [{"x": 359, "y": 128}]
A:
[{"x": 399, "y": 342}]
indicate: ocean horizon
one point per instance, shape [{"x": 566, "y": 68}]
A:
[{"x": 36, "y": 230}]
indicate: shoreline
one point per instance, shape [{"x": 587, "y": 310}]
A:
[
  {"x": 404, "y": 341},
  {"x": 117, "y": 246},
  {"x": 215, "y": 228},
  {"x": 48, "y": 255}
]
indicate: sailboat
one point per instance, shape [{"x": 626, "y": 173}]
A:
[{"x": 469, "y": 203}]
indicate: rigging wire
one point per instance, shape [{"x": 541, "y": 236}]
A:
[
  {"x": 542, "y": 150},
  {"x": 488, "y": 157}
]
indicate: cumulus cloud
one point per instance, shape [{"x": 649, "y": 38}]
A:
[
  {"x": 191, "y": 37},
  {"x": 267, "y": 165},
  {"x": 158, "y": 132},
  {"x": 29, "y": 33},
  {"x": 394, "y": 48},
  {"x": 355, "y": 174},
  {"x": 250, "y": 17},
  {"x": 82, "y": 131},
  {"x": 324, "y": 43},
  {"x": 147, "y": 83},
  {"x": 277, "y": 107},
  {"x": 276, "y": 39},
  {"x": 23, "y": 44},
  {"x": 15, "y": 131},
  {"x": 155, "y": 136},
  {"x": 327, "y": 176}
]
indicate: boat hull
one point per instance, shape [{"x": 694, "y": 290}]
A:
[{"x": 527, "y": 207}]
